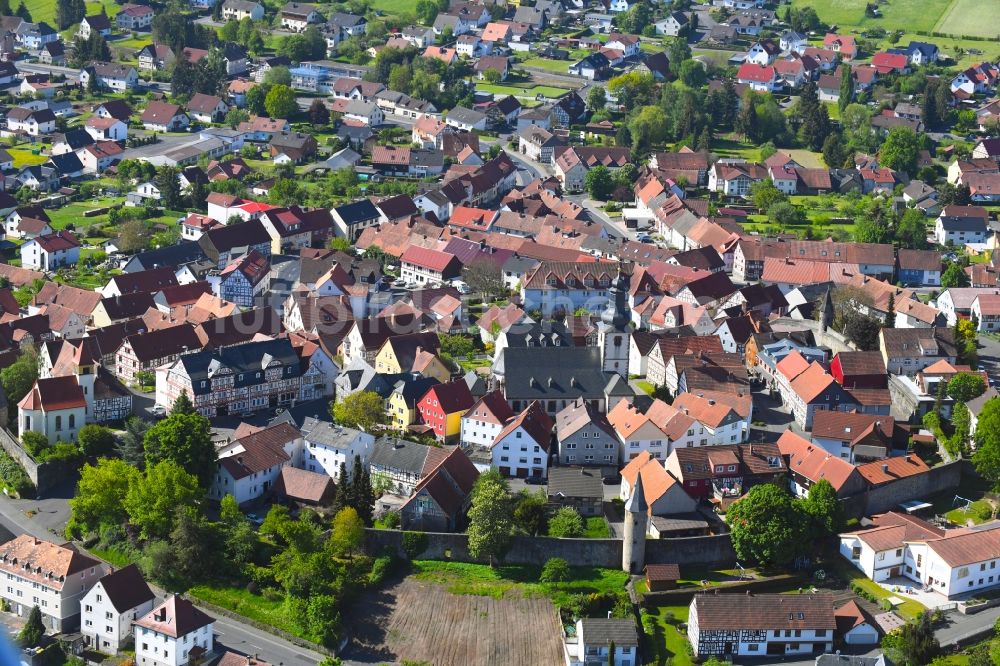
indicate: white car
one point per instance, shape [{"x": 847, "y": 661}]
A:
[{"x": 462, "y": 287}]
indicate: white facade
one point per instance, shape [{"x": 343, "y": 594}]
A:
[
  {"x": 518, "y": 455},
  {"x": 103, "y": 627},
  {"x": 326, "y": 458},
  {"x": 478, "y": 431},
  {"x": 156, "y": 648},
  {"x": 58, "y": 600}
]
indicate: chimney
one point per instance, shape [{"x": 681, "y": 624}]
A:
[{"x": 885, "y": 468}]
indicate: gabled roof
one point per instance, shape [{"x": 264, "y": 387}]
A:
[
  {"x": 53, "y": 394},
  {"x": 535, "y": 422},
  {"x": 176, "y": 617},
  {"x": 126, "y": 588}
]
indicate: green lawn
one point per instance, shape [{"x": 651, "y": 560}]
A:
[
  {"x": 969, "y": 17},
  {"x": 528, "y": 91},
  {"x": 597, "y": 528},
  {"x": 908, "y": 610},
  {"x": 480, "y": 579},
  {"x": 647, "y": 387},
  {"x": 73, "y": 213},
  {"x": 559, "y": 66},
  {"x": 896, "y": 14},
  {"x": 133, "y": 42},
  {"x": 978, "y": 512},
  {"x": 253, "y": 606},
  {"x": 24, "y": 157},
  {"x": 667, "y": 644},
  {"x": 45, "y": 10},
  {"x": 395, "y": 7},
  {"x": 733, "y": 148}
]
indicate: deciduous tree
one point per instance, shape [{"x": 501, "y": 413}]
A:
[
  {"x": 364, "y": 410},
  {"x": 965, "y": 386},
  {"x": 954, "y": 276},
  {"x": 900, "y": 150},
  {"x": 766, "y": 526},
  {"x": 490, "y": 518},
  {"x": 100, "y": 496},
  {"x": 280, "y": 102},
  {"x": 95, "y": 440},
  {"x": 186, "y": 439},
  {"x": 153, "y": 499},
  {"x": 348, "y": 531},
  {"x": 566, "y": 523}
]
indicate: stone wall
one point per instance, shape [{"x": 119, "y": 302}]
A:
[
  {"x": 607, "y": 553},
  {"x": 919, "y": 487},
  {"x": 44, "y": 475}
]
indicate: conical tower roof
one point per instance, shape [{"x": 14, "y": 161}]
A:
[{"x": 637, "y": 501}]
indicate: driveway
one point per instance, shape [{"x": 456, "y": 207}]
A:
[{"x": 776, "y": 418}]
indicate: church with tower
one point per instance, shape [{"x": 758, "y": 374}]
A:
[{"x": 557, "y": 375}]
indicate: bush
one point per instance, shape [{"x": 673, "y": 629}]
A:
[
  {"x": 34, "y": 443},
  {"x": 556, "y": 570},
  {"x": 886, "y": 605},
  {"x": 13, "y": 477},
  {"x": 983, "y": 512},
  {"x": 414, "y": 543},
  {"x": 380, "y": 569}
]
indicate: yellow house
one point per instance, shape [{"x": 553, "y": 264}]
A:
[
  {"x": 430, "y": 365},
  {"x": 442, "y": 408},
  {"x": 120, "y": 308},
  {"x": 401, "y": 405},
  {"x": 398, "y": 353}
]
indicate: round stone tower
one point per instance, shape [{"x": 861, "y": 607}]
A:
[{"x": 634, "y": 542}]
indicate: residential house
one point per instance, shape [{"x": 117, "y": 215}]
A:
[
  {"x": 207, "y": 108},
  {"x": 523, "y": 447},
  {"x": 134, "y": 17},
  {"x": 236, "y": 10},
  {"x": 601, "y": 640},
  {"x": 442, "y": 497},
  {"x": 109, "y": 608},
  {"x": 585, "y": 436},
  {"x": 175, "y": 633},
  {"x": 664, "y": 493},
  {"x": 98, "y": 23},
  {"x": 297, "y": 16},
  {"x": 48, "y": 252},
  {"x": 482, "y": 422},
  {"x": 249, "y": 466},
  {"x": 949, "y": 562},
  {"x": 163, "y": 117},
  {"x": 54, "y": 577},
  {"x": 110, "y": 76},
  {"x": 744, "y": 625},
  {"x": 255, "y": 376},
  {"x": 442, "y": 408},
  {"x": 958, "y": 225}
]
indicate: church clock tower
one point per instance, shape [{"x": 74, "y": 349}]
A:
[{"x": 614, "y": 332}]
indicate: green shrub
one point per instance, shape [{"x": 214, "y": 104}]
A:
[
  {"x": 13, "y": 477},
  {"x": 886, "y": 605},
  {"x": 380, "y": 569},
  {"x": 556, "y": 570},
  {"x": 414, "y": 543},
  {"x": 983, "y": 512}
]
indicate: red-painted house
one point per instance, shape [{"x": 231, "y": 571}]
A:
[
  {"x": 442, "y": 407},
  {"x": 859, "y": 370}
]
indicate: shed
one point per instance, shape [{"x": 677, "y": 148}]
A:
[{"x": 662, "y": 577}]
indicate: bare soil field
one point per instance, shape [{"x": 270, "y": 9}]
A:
[{"x": 423, "y": 622}]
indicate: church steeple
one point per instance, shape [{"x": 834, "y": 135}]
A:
[{"x": 614, "y": 330}]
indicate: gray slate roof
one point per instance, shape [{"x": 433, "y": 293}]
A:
[
  {"x": 602, "y": 630},
  {"x": 575, "y": 482}
]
